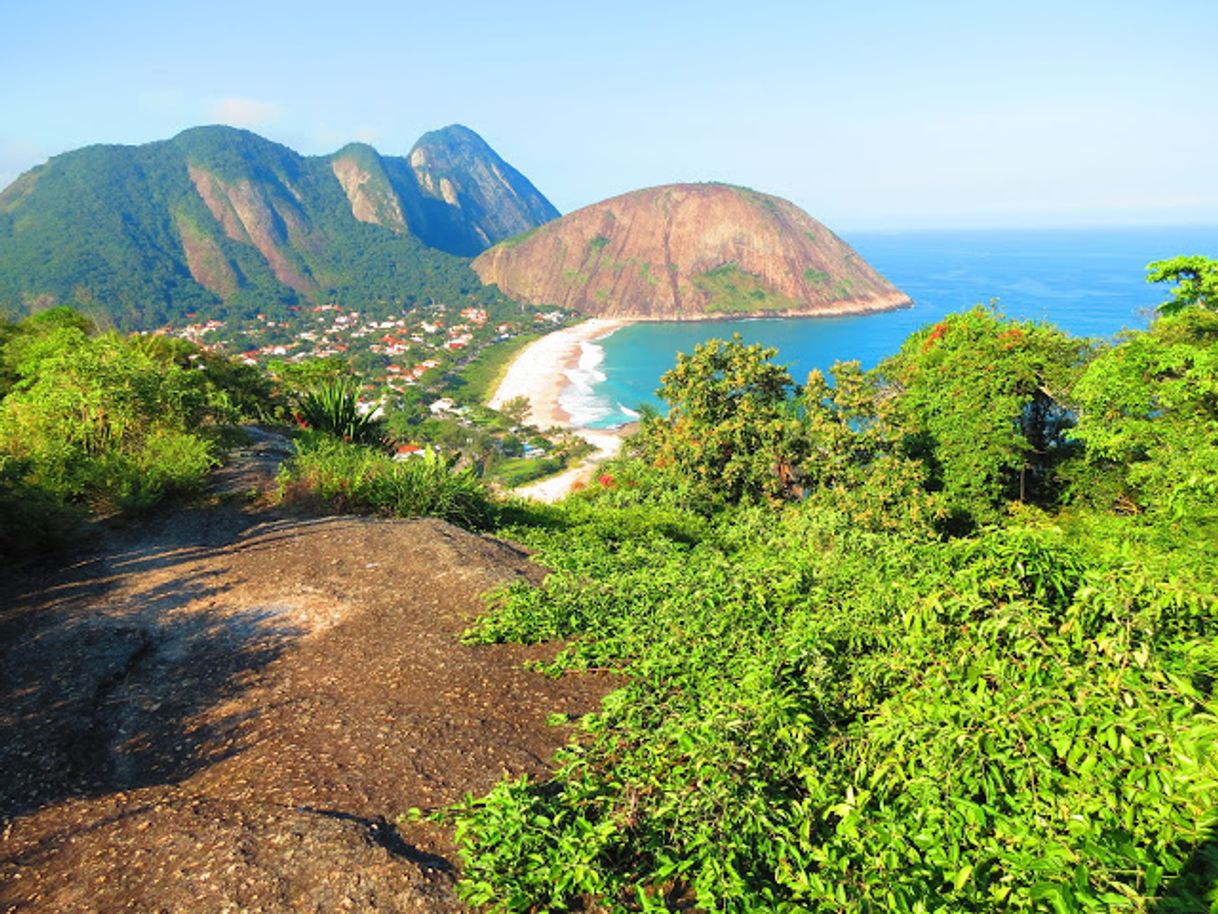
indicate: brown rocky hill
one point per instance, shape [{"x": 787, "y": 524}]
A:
[{"x": 688, "y": 251}]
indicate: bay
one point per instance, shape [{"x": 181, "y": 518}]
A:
[{"x": 1090, "y": 282}]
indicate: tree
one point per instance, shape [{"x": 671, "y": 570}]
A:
[
  {"x": 1148, "y": 415},
  {"x": 853, "y": 453},
  {"x": 1196, "y": 278},
  {"x": 730, "y": 424},
  {"x": 516, "y": 410},
  {"x": 983, "y": 402}
]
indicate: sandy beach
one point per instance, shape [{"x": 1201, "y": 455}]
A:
[{"x": 539, "y": 374}]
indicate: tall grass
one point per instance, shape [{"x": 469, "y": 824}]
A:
[{"x": 350, "y": 477}]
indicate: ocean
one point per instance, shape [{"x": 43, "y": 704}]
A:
[{"x": 1089, "y": 282}]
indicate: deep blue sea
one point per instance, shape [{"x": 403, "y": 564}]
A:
[{"x": 1090, "y": 282}]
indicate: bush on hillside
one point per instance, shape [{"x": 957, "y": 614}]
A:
[
  {"x": 911, "y": 671},
  {"x": 350, "y": 477}
]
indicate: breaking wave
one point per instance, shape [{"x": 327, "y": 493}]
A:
[{"x": 580, "y": 400}]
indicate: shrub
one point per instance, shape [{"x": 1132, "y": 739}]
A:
[
  {"x": 332, "y": 407},
  {"x": 32, "y": 519},
  {"x": 819, "y": 718},
  {"x": 351, "y": 477},
  {"x": 101, "y": 421}
]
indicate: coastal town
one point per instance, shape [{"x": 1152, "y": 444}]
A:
[
  {"x": 415, "y": 348},
  {"x": 427, "y": 372}
]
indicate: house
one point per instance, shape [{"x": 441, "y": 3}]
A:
[{"x": 445, "y": 405}]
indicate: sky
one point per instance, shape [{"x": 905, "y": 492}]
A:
[{"x": 869, "y": 115}]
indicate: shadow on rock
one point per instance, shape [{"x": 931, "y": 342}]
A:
[{"x": 105, "y": 689}]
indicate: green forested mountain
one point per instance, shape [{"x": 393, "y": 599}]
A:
[{"x": 219, "y": 220}]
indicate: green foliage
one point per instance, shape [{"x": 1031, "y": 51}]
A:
[
  {"x": 332, "y": 407},
  {"x": 984, "y": 402},
  {"x": 352, "y": 477},
  {"x": 1148, "y": 415},
  {"x": 815, "y": 277},
  {"x": 729, "y": 428},
  {"x": 854, "y": 454},
  {"x": 730, "y": 290},
  {"x": 819, "y": 718},
  {"x": 298, "y": 378},
  {"x": 103, "y": 420},
  {"x": 1196, "y": 278},
  {"x": 517, "y": 471},
  {"x": 106, "y": 422},
  {"x": 516, "y": 410},
  {"x": 32, "y": 519}
]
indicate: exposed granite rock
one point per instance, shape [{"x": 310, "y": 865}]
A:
[{"x": 688, "y": 251}]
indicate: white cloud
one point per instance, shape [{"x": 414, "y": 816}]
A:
[{"x": 243, "y": 112}]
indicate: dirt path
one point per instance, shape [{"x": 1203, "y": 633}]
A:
[{"x": 226, "y": 711}]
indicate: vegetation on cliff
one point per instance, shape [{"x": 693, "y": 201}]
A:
[{"x": 687, "y": 251}]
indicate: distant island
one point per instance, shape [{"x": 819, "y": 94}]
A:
[{"x": 688, "y": 252}]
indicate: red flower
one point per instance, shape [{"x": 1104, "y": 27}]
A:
[{"x": 936, "y": 333}]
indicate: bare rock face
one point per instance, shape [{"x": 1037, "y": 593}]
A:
[
  {"x": 686, "y": 252},
  {"x": 469, "y": 197},
  {"x": 261, "y": 214},
  {"x": 229, "y": 711},
  {"x": 453, "y": 192},
  {"x": 360, "y": 171}
]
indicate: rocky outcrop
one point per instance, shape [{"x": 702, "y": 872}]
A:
[
  {"x": 222, "y": 710},
  {"x": 261, "y": 214},
  {"x": 453, "y": 192},
  {"x": 361, "y": 172},
  {"x": 688, "y": 251},
  {"x": 470, "y": 198}
]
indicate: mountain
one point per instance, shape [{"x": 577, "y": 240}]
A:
[
  {"x": 688, "y": 251},
  {"x": 217, "y": 220},
  {"x": 471, "y": 197},
  {"x": 452, "y": 191}
]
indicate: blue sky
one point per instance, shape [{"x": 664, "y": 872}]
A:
[{"x": 867, "y": 114}]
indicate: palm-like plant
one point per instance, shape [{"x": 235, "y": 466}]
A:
[{"x": 332, "y": 407}]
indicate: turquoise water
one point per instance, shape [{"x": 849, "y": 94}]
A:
[{"x": 1090, "y": 282}]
